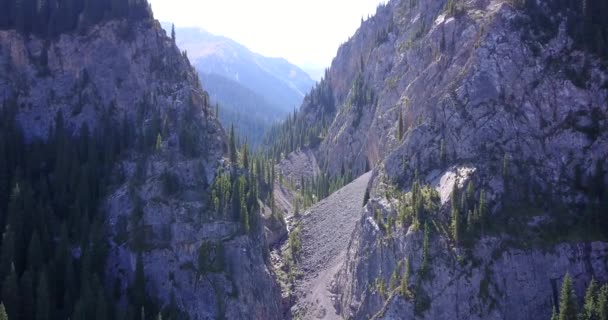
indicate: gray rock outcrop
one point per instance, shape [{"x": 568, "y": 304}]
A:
[
  {"x": 124, "y": 70},
  {"x": 487, "y": 95}
]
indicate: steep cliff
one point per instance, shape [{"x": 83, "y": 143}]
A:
[
  {"x": 127, "y": 80},
  {"x": 484, "y": 121}
]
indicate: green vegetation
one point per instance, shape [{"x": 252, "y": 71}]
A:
[
  {"x": 425, "y": 267},
  {"x": 50, "y": 193},
  {"x": 567, "y": 301},
  {"x": 362, "y": 95},
  {"x": 295, "y": 244},
  {"x": 453, "y": 8},
  {"x": 404, "y": 288},
  {"x": 297, "y": 131},
  {"x": 381, "y": 287},
  {"x": 419, "y": 207},
  {"x": 465, "y": 228},
  {"x": 595, "y": 306},
  {"x": 211, "y": 258}
]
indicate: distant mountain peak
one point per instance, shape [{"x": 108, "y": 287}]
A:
[{"x": 274, "y": 78}]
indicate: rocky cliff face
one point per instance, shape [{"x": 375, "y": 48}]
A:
[
  {"x": 490, "y": 93},
  {"x": 132, "y": 73}
]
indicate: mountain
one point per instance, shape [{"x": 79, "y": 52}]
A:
[
  {"x": 283, "y": 84},
  {"x": 484, "y": 123},
  {"x": 120, "y": 193},
  {"x": 244, "y": 83}
]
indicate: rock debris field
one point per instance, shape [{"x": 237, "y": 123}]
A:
[{"x": 326, "y": 231}]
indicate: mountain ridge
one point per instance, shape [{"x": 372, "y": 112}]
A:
[
  {"x": 226, "y": 57},
  {"x": 482, "y": 121}
]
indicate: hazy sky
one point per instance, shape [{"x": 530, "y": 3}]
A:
[{"x": 305, "y": 32}]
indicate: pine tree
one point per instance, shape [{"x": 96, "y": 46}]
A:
[
  {"x": 245, "y": 216},
  {"x": 101, "y": 307},
  {"x": 455, "y": 224},
  {"x": 567, "y": 301},
  {"x": 139, "y": 283},
  {"x": 34, "y": 253},
  {"x": 424, "y": 268},
  {"x": 233, "y": 155},
  {"x": 394, "y": 281},
  {"x": 589, "y": 308},
  {"x": 10, "y": 294},
  {"x": 173, "y": 33},
  {"x": 481, "y": 210},
  {"x": 3, "y": 315},
  {"x": 159, "y": 143},
  {"x": 27, "y": 291},
  {"x": 7, "y": 255},
  {"x": 366, "y": 197},
  {"x": 602, "y": 303},
  {"x": 245, "y": 153},
  {"x": 554, "y": 315},
  {"x": 296, "y": 210},
  {"x": 43, "y": 308},
  {"x": 405, "y": 279}
]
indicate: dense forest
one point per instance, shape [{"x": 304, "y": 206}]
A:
[
  {"x": 50, "y": 18},
  {"x": 54, "y": 242},
  {"x": 53, "y": 246}
]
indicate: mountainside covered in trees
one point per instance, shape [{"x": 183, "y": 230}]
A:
[
  {"x": 116, "y": 200},
  {"x": 485, "y": 123},
  {"x": 253, "y": 91}
]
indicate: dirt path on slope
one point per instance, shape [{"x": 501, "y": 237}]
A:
[{"x": 326, "y": 231}]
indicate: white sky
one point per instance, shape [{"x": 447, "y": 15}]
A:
[{"x": 305, "y": 32}]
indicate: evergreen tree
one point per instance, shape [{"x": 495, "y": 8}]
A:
[
  {"x": 245, "y": 217},
  {"x": 43, "y": 308},
  {"x": 405, "y": 279},
  {"x": 455, "y": 224},
  {"x": 394, "y": 280},
  {"x": 101, "y": 307},
  {"x": 589, "y": 308},
  {"x": 233, "y": 153},
  {"x": 3, "y": 315},
  {"x": 567, "y": 301},
  {"x": 173, "y": 33},
  {"x": 481, "y": 210},
  {"x": 27, "y": 291},
  {"x": 425, "y": 266},
  {"x": 7, "y": 256},
  {"x": 366, "y": 197},
  {"x": 139, "y": 284},
  {"x": 159, "y": 143},
  {"x": 34, "y": 252},
  {"x": 245, "y": 153},
  {"x": 236, "y": 200},
  {"x": 554, "y": 315},
  {"x": 602, "y": 303},
  {"x": 10, "y": 294}
]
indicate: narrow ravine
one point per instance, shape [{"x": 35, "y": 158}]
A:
[{"x": 326, "y": 230}]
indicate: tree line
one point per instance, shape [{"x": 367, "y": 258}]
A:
[
  {"x": 595, "y": 305},
  {"x": 50, "y": 18},
  {"x": 53, "y": 246}
]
